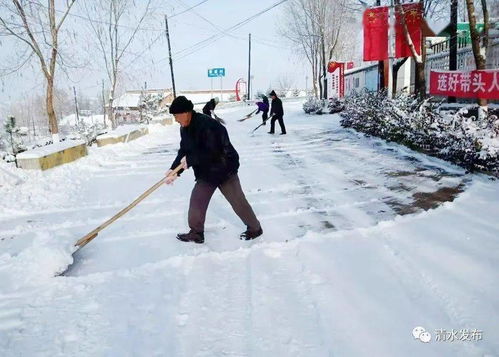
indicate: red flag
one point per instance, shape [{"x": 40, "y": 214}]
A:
[
  {"x": 375, "y": 22},
  {"x": 333, "y": 66},
  {"x": 413, "y": 15}
]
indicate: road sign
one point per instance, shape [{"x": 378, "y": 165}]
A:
[{"x": 216, "y": 72}]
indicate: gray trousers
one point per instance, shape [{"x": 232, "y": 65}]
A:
[{"x": 232, "y": 191}]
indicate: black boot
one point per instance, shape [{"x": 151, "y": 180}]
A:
[
  {"x": 191, "y": 237},
  {"x": 249, "y": 235}
]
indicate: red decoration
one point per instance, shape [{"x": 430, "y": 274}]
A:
[
  {"x": 475, "y": 84},
  {"x": 375, "y": 21},
  {"x": 338, "y": 82},
  {"x": 413, "y": 16},
  {"x": 240, "y": 85},
  {"x": 333, "y": 66},
  {"x": 349, "y": 65}
]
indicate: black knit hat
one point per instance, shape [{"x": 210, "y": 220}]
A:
[
  {"x": 181, "y": 105},
  {"x": 272, "y": 94}
]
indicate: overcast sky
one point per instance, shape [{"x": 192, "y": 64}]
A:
[{"x": 271, "y": 56}]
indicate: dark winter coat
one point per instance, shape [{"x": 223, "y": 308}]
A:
[
  {"x": 277, "y": 111},
  {"x": 209, "y": 106},
  {"x": 205, "y": 143},
  {"x": 262, "y": 107}
]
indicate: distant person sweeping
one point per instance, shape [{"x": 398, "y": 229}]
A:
[
  {"x": 205, "y": 146},
  {"x": 277, "y": 113},
  {"x": 263, "y": 107},
  {"x": 209, "y": 109}
]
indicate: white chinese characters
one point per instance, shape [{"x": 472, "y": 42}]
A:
[{"x": 443, "y": 335}]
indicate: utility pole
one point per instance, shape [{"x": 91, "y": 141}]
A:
[
  {"x": 170, "y": 55},
  {"x": 141, "y": 103},
  {"x": 103, "y": 105},
  {"x": 453, "y": 41},
  {"x": 249, "y": 69},
  {"x": 391, "y": 43},
  {"x": 145, "y": 90},
  {"x": 324, "y": 65},
  {"x": 381, "y": 66},
  {"x": 211, "y": 84},
  {"x": 76, "y": 107}
]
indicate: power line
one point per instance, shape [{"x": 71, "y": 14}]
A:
[
  {"x": 81, "y": 17},
  {"x": 263, "y": 42},
  {"x": 201, "y": 44},
  {"x": 213, "y": 38},
  {"x": 192, "y": 7},
  {"x": 142, "y": 53}
]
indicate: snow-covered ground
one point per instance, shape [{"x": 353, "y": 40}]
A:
[{"x": 351, "y": 260}]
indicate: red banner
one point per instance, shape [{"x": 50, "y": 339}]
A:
[
  {"x": 338, "y": 81},
  {"x": 475, "y": 84},
  {"x": 413, "y": 16},
  {"x": 375, "y": 21}
]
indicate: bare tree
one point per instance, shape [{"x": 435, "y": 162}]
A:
[
  {"x": 480, "y": 44},
  {"x": 37, "y": 27},
  {"x": 115, "y": 27},
  {"x": 317, "y": 28},
  {"x": 285, "y": 82},
  {"x": 300, "y": 31}
]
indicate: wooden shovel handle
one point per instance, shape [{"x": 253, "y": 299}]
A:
[{"x": 86, "y": 239}]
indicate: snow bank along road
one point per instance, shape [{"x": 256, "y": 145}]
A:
[{"x": 363, "y": 241}]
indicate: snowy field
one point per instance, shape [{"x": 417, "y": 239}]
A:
[{"x": 363, "y": 241}]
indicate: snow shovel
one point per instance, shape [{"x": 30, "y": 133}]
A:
[
  {"x": 262, "y": 124},
  {"x": 220, "y": 120},
  {"x": 90, "y": 236},
  {"x": 248, "y": 115}
]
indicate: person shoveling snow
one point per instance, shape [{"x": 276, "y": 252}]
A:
[{"x": 205, "y": 146}]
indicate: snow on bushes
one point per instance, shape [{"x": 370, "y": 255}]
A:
[
  {"x": 318, "y": 106},
  {"x": 313, "y": 105},
  {"x": 454, "y": 134}
]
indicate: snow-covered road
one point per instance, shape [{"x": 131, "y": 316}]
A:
[{"x": 349, "y": 263}]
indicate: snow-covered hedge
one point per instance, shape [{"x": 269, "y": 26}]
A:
[
  {"x": 318, "y": 106},
  {"x": 454, "y": 135},
  {"x": 313, "y": 105}
]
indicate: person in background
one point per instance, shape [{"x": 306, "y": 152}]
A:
[
  {"x": 277, "y": 113},
  {"x": 263, "y": 107},
  {"x": 209, "y": 107},
  {"x": 205, "y": 146}
]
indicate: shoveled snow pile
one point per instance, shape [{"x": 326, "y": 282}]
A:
[{"x": 38, "y": 263}]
